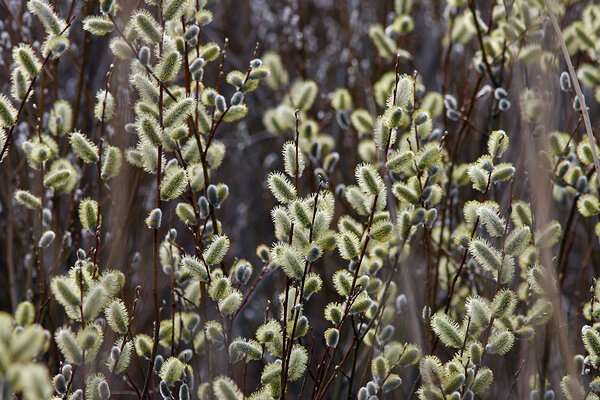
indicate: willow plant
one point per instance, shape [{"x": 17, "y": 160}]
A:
[{"x": 482, "y": 194}]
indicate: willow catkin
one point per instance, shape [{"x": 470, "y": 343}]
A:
[
  {"x": 65, "y": 291},
  {"x": 304, "y": 94},
  {"x": 369, "y": 179},
  {"x": 88, "y": 214},
  {"x": 380, "y": 368},
  {"x": 217, "y": 249},
  {"x": 117, "y": 316},
  {"x": 83, "y": 147},
  {"x": 504, "y": 303},
  {"x": 8, "y": 113},
  {"x": 149, "y": 130},
  {"x": 360, "y": 304},
  {"x": 61, "y": 118},
  {"x": 290, "y": 259},
  {"x": 19, "y": 84},
  {"x": 173, "y": 9},
  {"x": 486, "y": 255},
  {"x": 185, "y": 212},
  {"x": 143, "y": 345},
  {"x": 171, "y": 370},
  {"x": 179, "y": 111},
  {"x": 494, "y": 224},
  {"x": 194, "y": 267},
  {"x": 146, "y": 26},
  {"x": 447, "y": 330},
  {"x": 105, "y": 105},
  {"x": 111, "y": 162},
  {"x": 173, "y": 183},
  {"x": 27, "y": 199},
  {"x": 46, "y": 239},
  {"x": 230, "y": 303},
  {"x": 52, "y": 23},
  {"x": 500, "y": 342},
  {"x": 281, "y": 187},
  {"x": 392, "y": 382},
  {"x": 60, "y": 384},
  {"x": 479, "y": 312},
  {"x": 517, "y": 241},
  {"x": 93, "y": 302},
  {"x": 146, "y": 88},
  {"x": 104, "y": 390},
  {"x": 27, "y": 60},
  {"x": 297, "y": 363},
  {"x": 348, "y": 245},
  {"x": 385, "y": 45},
  {"x": 226, "y": 389},
  {"x": 67, "y": 343},
  {"x": 98, "y": 25},
  {"x": 293, "y": 165},
  {"x": 219, "y": 288},
  {"x": 25, "y": 313},
  {"x": 168, "y": 66}
]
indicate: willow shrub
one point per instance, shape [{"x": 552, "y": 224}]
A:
[{"x": 349, "y": 226}]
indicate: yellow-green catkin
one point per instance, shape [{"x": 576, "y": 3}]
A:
[{"x": 88, "y": 214}]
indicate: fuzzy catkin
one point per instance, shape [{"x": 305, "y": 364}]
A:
[
  {"x": 98, "y": 25},
  {"x": 171, "y": 370},
  {"x": 226, "y": 389},
  {"x": 27, "y": 60},
  {"x": 111, "y": 162},
  {"x": 168, "y": 66},
  {"x": 47, "y": 16},
  {"x": 216, "y": 251},
  {"x": 27, "y": 199},
  {"x": 46, "y": 239},
  {"x": 173, "y": 183},
  {"x": 447, "y": 330},
  {"x": 88, "y": 214},
  {"x": 85, "y": 149},
  {"x": 94, "y": 302},
  {"x": 8, "y": 113},
  {"x": 117, "y": 317}
]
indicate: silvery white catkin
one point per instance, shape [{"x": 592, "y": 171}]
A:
[
  {"x": 372, "y": 388},
  {"x": 565, "y": 82},
  {"x": 185, "y": 355},
  {"x": 203, "y": 207},
  {"x": 144, "y": 56},
  {"x": 115, "y": 353},
  {"x": 199, "y": 74},
  {"x": 220, "y": 103},
  {"x": 46, "y": 239},
  {"x": 67, "y": 371},
  {"x": 164, "y": 390},
  {"x": 104, "y": 390},
  {"x": 237, "y": 98},
  {"x": 154, "y": 219},
  {"x": 184, "y": 392},
  {"x": 212, "y": 194},
  {"x": 47, "y": 216},
  {"x": 158, "y": 363},
  {"x": 256, "y": 63},
  {"x": 77, "y": 395},
  {"x": 191, "y": 33},
  {"x": 60, "y": 384},
  {"x": 196, "y": 65},
  {"x": 363, "y": 394}
]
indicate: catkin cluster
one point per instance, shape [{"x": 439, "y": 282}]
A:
[{"x": 422, "y": 234}]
